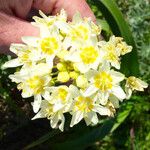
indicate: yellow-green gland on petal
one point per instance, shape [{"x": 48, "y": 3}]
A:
[
  {"x": 36, "y": 84},
  {"x": 84, "y": 104},
  {"x": 136, "y": 84},
  {"x": 124, "y": 48},
  {"x": 63, "y": 76},
  {"x": 81, "y": 81}
]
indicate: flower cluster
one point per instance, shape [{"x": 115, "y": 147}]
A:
[{"x": 70, "y": 69}]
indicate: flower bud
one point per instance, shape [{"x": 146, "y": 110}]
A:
[
  {"x": 81, "y": 81},
  {"x": 63, "y": 76}
]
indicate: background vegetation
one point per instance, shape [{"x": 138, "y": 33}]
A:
[{"x": 130, "y": 129}]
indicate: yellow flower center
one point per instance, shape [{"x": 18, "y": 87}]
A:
[
  {"x": 49, "y": 45},
  {"x": 103, "y": 81},
  {"x": 80, "y": 32},
  {"x": 24, "y": 57},
  {"x": 111, "y": 53},
  {"x": 112, "y": 56},
  {"x": 89, "y": 55},
  {"x": 84, "y": 104},
  {"x": 36, "y": 84},
  {"x": 62, "y": 94}
]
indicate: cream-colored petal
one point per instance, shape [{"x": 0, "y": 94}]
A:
[
  {"x": 114, "y": 100},
  {"x": 12, "y": 63},
  {"x": 37, "y": 103},
  {"x": 16, "y": 78},
  {"x": 117, "y": 76},
  {"x": 77, "y": 18},
  {"x": 118, "y": 92},
  {"x": 40, "y": 114},
  {"x": 142, "y": 83},
  {"x": 128, "y": 92},
  {"x": 62, "y": 118},
  {"x": 90, "y": 91},
  {"x": 31, "y": 41},
  {"x": 54, "y": 120},
  {"x": 103, "y": 97},
  {"x": 76, "y": 118},
  {"x": 101, "y": 110},
  {"x": 73, "y": 90}
]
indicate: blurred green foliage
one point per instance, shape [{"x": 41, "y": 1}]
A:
[
  {"x": 130, "y": 129},
  {"x": 137, "y": 14}
]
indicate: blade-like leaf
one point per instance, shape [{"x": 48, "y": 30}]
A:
[
  {"x": 81, "y": 141},
  {"x": 42, "y": 139}
]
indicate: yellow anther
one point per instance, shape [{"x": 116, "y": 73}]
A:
[
  {"x": 49, "y": 45},
  {"x": 62, "y": 94},
  {"x": 36, "y": 83},
  {"x": 89, "y": 55},
  {"x": 103, "y": 81},
  {"x": 84, "y": 104}
]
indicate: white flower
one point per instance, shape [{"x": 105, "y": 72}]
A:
[
  {"x": 48, "y": 46},
  {"x": 133, "y": 83},
  {"x": 81, "y": 32},
  {"x": 105, "y": 82},
  {"x": 32, "y": 82},
  {"x": 26, "y": 56},
  {"x": 124, "y": 48},
  {"x": 120, "y": 45},
  {"x": 56, "y": 104},
  {"x": 46, "y": 111},
  {"x": 111, "y": 53},
  {"x": 60, "y": 97},
  {"x": 86, "y": 108},
  {"x": 85, "y": 58},
  {"x": 49, "y": 21}
]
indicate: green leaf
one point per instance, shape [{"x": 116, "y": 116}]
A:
[
  {"x": 104, "y": 25},
  {"x": 42, "y": 139},
  {"x": 119, "y": 27},
  {"x": 86, "y": 138},
  {"x": 122, "y": 115}
]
